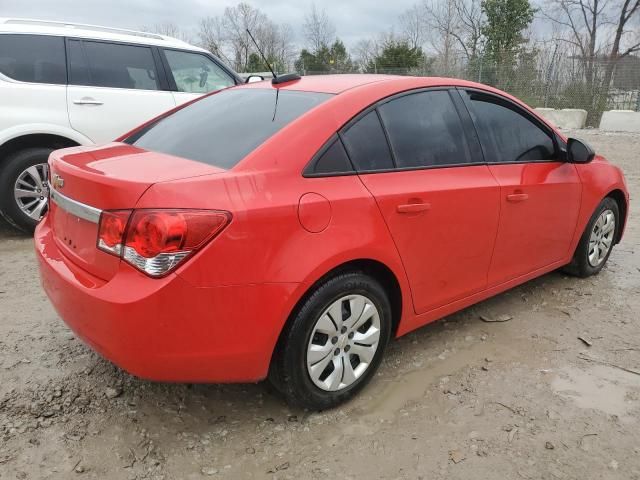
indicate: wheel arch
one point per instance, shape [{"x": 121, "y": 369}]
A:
[
  {"x": 375, "y": 268},
  {"x": 619, "y": 197},
  {"x": 35, "y": 140}
]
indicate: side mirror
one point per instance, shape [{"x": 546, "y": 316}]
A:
[
  {"x": 254, "y": 78},
  {"x": 579, "y": 151}
]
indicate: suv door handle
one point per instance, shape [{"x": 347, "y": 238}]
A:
[
  {"x": 413, "y": 207},
  {"x": 87, "y": 101},
  {"x": 517, "y": 197}
]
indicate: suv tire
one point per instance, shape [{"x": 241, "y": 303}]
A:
[{"x": 18, "y": 165}]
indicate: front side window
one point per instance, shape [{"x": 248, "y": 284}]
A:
[
  {"x": 506, "y": 135},
  {"x": 120, "y": 66},
  {"x": 196, "y": 73},
  {"x": 366, "y": 144},
  {"x": 223, "y": 128},
  {"x": 33, "y": 58},
  {"x": 425, "y": 130}
]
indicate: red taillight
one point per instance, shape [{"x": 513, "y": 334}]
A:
[
  {"x": 111, "y": 230},
  {"x": 156, "y": 241}
]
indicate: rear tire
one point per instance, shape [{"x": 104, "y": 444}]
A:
[
  {"x": 19, "y": 165},
  {"x": 597, "y": 240},
  {"x": 334, "y": 343}
]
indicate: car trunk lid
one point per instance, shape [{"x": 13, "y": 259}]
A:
[{"x": 85, "y": 181}]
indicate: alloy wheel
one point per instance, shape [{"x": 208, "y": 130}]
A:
[{"x": 31, "y": 191}]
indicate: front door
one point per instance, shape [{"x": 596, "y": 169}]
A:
[{"x": 539, "y": 193}]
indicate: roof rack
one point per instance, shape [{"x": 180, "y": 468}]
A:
[{"x": 83, "y": 26}]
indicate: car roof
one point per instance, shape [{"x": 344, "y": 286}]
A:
[
  {"x": 95, "y": 32},
  {"x": 339, "y": 83}
]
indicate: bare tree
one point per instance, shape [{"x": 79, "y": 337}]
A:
[
  {"x": 365, "y": 51},
  {"x": 318, "y": 29},
  {"x": 236, "y": 21},
  {"x": 168, "y": 29},
  {"x": 444, "y": 22},
  {"x": 211, "y": 35},
  {"x": 414, "y": 26},
  {"x": 599, "y": 29}
]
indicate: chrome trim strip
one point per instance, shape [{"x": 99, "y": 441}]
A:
[{"x": 86, "y": 212}]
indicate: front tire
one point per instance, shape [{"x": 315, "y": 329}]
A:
[
  {"x": 334, "y": 342},
  {"x": 24, "y": 191},
  {"x": 597, "y": 241}
]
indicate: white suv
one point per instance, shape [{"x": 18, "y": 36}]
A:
[{"x": 65, "y": 84}]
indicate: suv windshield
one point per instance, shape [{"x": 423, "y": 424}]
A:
[{"x": 224, "y": 128}]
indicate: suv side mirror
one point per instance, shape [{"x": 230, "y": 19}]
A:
[
  {"x": 254, "y": 78},
  {"x": 579, "y": 151}
]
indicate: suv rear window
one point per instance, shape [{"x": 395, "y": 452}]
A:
[
  {"x": 225, "y": 127},
  {"x": 33, "y": 58}
]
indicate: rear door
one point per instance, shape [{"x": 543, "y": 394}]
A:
[
  {"x": 540, "y": 192},
  {"x": 438, "y": 198},
  {"x": 192, "y": 74},
  {"x": 113, "y": 87}
]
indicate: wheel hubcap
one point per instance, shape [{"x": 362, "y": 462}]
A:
[
  {"x": 343, "y": 342},
  {"x": 601, "y": 239},
  {"x": 31, "y": 191}
]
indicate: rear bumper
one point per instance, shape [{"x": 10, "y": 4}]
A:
[{"x": 166, "y": 329}]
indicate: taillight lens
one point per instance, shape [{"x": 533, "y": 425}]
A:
[
  {"x": 111, "y": 230},
  {"x": 157, "y": 241}
]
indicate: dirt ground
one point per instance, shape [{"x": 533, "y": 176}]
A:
[{"x": 458, "y": 399}]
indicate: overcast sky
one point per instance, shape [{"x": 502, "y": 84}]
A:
[{"x": 354, "y": 19}]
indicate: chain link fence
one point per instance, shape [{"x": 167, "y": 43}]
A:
[{"x": 542, "y": 81}]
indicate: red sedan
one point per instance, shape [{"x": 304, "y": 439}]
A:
[{"x": 288, "y": 231}]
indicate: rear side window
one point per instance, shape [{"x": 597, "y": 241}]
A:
[
  {"x": 425, "y": 130},
  {"x": 366, "y": 144},
  {"x": 333, "y": 160},
  {"x": 118, "y": 66},
  {"x": 507, "y": 135},
  {"x": 225, "y": 127},
  {"x": 33, "y": 58}
]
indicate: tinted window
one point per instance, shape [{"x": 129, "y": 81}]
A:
[
  {"x": 223, "y": 128},
  {"x": 78, "y": 67},
  {"x": 121, "y": 66},
  {"x": 196, "y": 73},
  {"x": 506, "y": 135},
  {"x": 33, "y": 58},
  {"x": 367, "y": 145},
  {"x": 334, "y": 159},
  {"x": 424, "y": 130}
]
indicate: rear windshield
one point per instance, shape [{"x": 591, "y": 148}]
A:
[{"x": 224, "y": 128}]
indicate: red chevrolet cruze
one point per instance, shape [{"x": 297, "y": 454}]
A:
[{"x": 288, "y": 231}]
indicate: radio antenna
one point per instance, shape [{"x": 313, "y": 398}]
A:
[
  {"x": 276, "y": 80},
  {"x": 266, "y": 62}
]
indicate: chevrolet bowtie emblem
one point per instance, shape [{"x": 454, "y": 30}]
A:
[{"x": 58, "y": 181}]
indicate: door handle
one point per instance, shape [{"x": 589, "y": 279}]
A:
[
  {"x": 517, "y": 197},
  {"x": 413, "y": 207},
  {"x": 87, "y": 101}
]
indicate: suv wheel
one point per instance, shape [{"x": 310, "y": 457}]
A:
[{"x": 24, "y": 191}]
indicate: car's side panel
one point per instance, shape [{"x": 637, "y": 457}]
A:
[
  {"x": 446, "y": 249},
  {"x": 599, "y": 179},
  {"x": 539, "y": 207},
  {"x": 32, "y": 108}
]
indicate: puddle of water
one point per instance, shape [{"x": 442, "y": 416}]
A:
[{"x": 600, "y": 388}]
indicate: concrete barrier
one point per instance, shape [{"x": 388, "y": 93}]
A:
[
  {"x": 620, "y": 121},
  {"x": 565, "y": 118}
]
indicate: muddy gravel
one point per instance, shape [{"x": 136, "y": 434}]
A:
[{"x": 525, "y": 397}]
